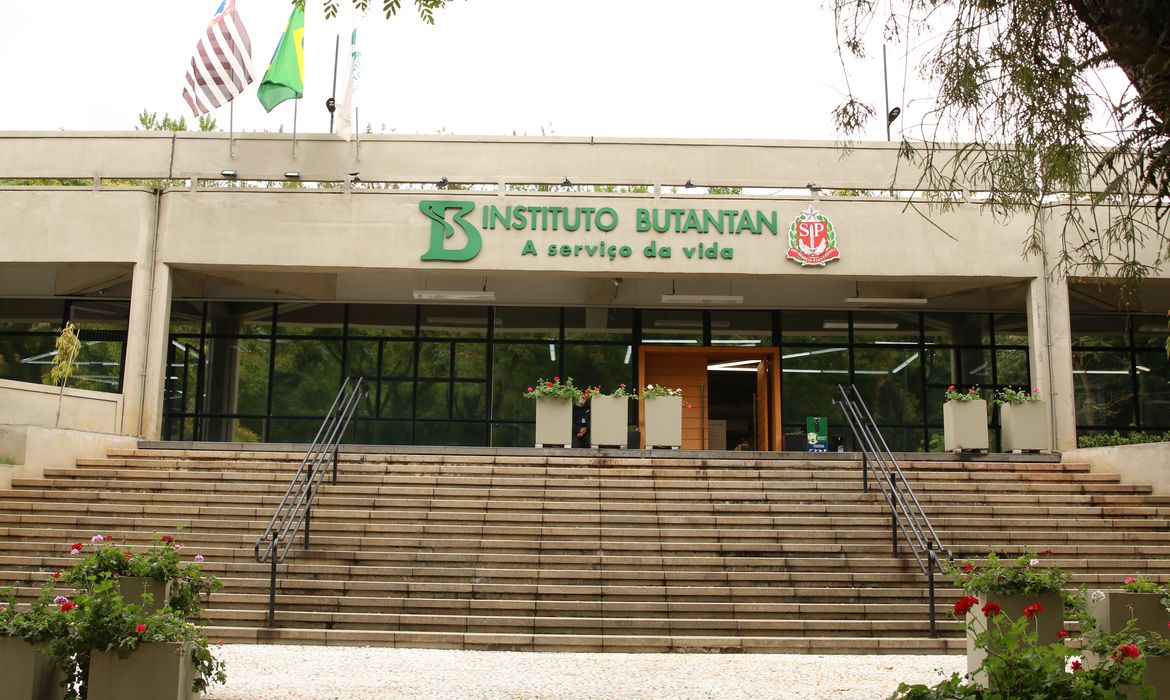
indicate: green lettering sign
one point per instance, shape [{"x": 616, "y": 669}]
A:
[{"x": 435, "y": 209}]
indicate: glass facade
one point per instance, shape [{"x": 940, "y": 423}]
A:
[
  {"x": 1121, "y": 376},
  {"x": 29, "y": 329}
]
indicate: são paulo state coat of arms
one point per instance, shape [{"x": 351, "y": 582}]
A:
[{"x": 811, "y": 239}]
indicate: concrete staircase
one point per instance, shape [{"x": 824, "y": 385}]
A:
[{"x": 584, "y": 553}]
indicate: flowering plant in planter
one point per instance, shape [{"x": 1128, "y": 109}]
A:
[
  {"x": 554, "y": 389},
  {"x": 1006, "y": 577},
  {"x": 653, "y": 391},
  {"x": 160, "y": 562},
  {"x": 622, "y": 391},
  {"x": 971, "y": 394},
  {"x": 1014, "y": 396},
  {"x": 41, "y": 620}
]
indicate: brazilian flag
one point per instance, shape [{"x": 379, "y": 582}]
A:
[{"x": 285, "y": 78}]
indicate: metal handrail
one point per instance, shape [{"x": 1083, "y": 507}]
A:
[
  {"x": 905, "y": 510},
  {"x": 296, "y": 507}
]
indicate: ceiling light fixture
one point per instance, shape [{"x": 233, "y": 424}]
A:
[
  {"x": 702, "y": 299},
  {"x": 452, "y": 295},
  {"x": 886, "y": 301}
]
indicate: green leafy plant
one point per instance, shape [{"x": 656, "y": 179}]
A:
[
  {"x": 1016, "y": 665},
  {"x": 554, "y": 389},
  {"x": 970, "y": 395},
  {"x": 1014, "y": 396},
  {"x": 190, "y": 583},
  {"x": 994, "y": 575},
  {"x": 1141, "y": 584},
  {"x": 67, "y": 347},
  {"x": 653, "y": 391},
  {"x": 623, "y": 391},
  {"x": 1115, "y": 438}
]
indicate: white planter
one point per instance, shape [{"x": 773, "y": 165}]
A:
[
  {"x": 554, "y": 422},
  {"x": 965, "y": 425},
  {"x": 609, "y": 424},
  {"x": 1025, "y": 426},
  {"x": 27, "y": 674},
  {"x": 158, "y": 671},
  {"x": 1116, "y": 608},
  {"x": 1047, "y": 624},
  {"x": 663, "y": 418},
  {"x": 134, "y": 588}
]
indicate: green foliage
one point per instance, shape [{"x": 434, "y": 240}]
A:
[
  {"x": 553, "y": 388},
  {"x": 971, "y": 394},
  {"x": 1116, "y": 438},
  {"x": 1018, "y": 666},
  {"x": 426, "y": 8},
  {"x": 1141, "y": 584},
  {"x": 997, "y": 576},
  {"x": 724, "y": 190},
  {"x": 149, "y": 121},
  {"x": 653, "y": 391},
  {"x": 1015, "y": 396},
  {"x": 67, "y": 347}
]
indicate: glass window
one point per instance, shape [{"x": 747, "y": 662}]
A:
[
  {"x": 253, "y": 383},
  {"x": 453, "y": 322},
  {"x": 361, "y": 358},
  {"x": 515, "y": 367},
  {"x": 186, "y": 317},
  {"x": 1103, "y": 388},
  {"x": 741, "y": 328},
  {"x": 528, "y": 323},
  {"x": 809, "y": 381},
  {"x": 307, "y": 376},
  {"x": 1150, "y": 332},
  {"x": 27, "y": 358},
  {"x": 599, "y": 324},
  {"x": 398, "y": 359},
  {"x": 513, "y": 435},
  {"x": 1099, "y": 330},
  {"x": 814, "y": 327},
  {"x": 672, "y": 327},
  {"x": 885, "y": 327},
  {"x": 310, "y": 319},
  {"x": 385, "y": 320},
  {"x": 1011, "y": 367},
  {"x": 471, "y": 360},
  {"x": 606, "y": 366},
  {"x": 1011, "y": 329},
  {"x": 470, "y": 400},
  {"x": 397, "y": 399},
  {"x": 890, "y": 383},
  {"x": 96, "y": 315},
  {"x": 434, "y": 359},
  {"x": 432, "y": 400},
  {"x": 1153, "y": 375},
  {"x": 957, "y": 328},
  {"x": 31, "y": 315}
]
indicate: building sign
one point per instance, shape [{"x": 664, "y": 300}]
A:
[
  {"x": 811, "y": 239},
  {"x": 582, "y": 232}
]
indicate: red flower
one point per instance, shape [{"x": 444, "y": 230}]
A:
[
  {"x": 1062, "y": 634},
  {"x": 991, "y": 609},
  {"x": 962, "y": 605},
  {"x": 56, "y": 574},
  {"x": 140, "y": 628},
  {"x": 67, "y": 606},
  {"x": 1125, "y": 651},
  {"x": 968, "y": 567},
  {"x": 549, "y": 384},
  {"x": 127, "y": 553},
  {"x": 530, "y": 388},
  {"x": 167, "y": 539},
  {"x": 556, "y": 379},
  {"x": 1077, "y": 665},
  {"x": 951, "y": 387},
  {"x": 1033, "y": 609},
  {"x": 1131, "y": 579}
]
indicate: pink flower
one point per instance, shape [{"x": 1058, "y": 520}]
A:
[
  {"x": 951, "y": 387},
  {"x": 60, "y": 599},
  {"x": 556, "y": 379},
  {"x": 530, "y": 388},
  {"x": 1131, "y": 579},
  {"x": 199, "y": 557},
  {"x": 96, "y": 538},
  {"x": 178, "y": 547},
  {"x": 140, "y": 628},
  {"x": 75, "y": 550}
]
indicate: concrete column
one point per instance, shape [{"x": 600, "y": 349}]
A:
[
  {"x": 157, "y": 337},
  {"x": 1050, "y": 354},
  {"x": 134, "y": 371}
]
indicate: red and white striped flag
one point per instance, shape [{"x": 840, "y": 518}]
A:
[{"x": 222, "y": 65}]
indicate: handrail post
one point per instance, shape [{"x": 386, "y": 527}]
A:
[
  {"x": 893, "y": 519},
  {"x": 272, "y": 581},
  {"x": 336, "y": 449},
  {"x": 930, "y": 577},
  {"x": 865, "y": 472},
  {"x": 308, "y": 519}
]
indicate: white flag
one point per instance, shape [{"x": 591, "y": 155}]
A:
[{"x": 347, "y": 105}]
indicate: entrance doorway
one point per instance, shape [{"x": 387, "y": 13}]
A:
[{"x": 730, "y": 394}]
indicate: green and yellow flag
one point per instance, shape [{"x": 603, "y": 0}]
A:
[{"x": 285, "y": 78}]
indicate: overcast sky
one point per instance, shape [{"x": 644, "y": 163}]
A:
[{"x": 666, "y": 68}]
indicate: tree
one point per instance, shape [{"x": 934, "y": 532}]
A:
[
  {"x": 426, "y": 8},
  {"x": 149, "y": 121},
  {"x": 1017, "y": 83}
]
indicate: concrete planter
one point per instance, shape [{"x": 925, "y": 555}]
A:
[
  {"x": 1025, "y": 426},
  {"x": 663, "y": 427},
  {"x": 1116, "y": 608},
  {"x": 965, "y": 425},
  {"x": 1049, "y": 622},
  {"x": 27, "y": 674},
  {"x": 554, "y": 422},
  {"x": 163, "y": 671},
  {"x": 134, "y": 588},
  {"x": 609, "y": 423},
  {"x": 1156, "y": 676}
]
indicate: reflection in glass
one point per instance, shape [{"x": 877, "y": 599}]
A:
[{"x": 1103, "y": 388}]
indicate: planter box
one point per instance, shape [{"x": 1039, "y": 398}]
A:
[
  {"x": 1049, "y": 622},
  {"x": 1117, "y": 607},
  {"x": 1156, "y": 676},
  {"x": 965, "y": 425},
  {"x": 609, "y": 421},
  {"x": 663, "y": 427},
  {"x": 27, "y": 673},
  {"x": 156, "y": 671},
  {"x": 133, "y": 589},
  {"x": 1025, "y": 426},
  {"x": 554, "y": 422}
]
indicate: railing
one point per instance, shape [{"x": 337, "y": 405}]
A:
[
  {"x": 906, "y": 514},
  {"x": 296, "y": 508}
]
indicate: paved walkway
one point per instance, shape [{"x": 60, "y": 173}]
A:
[{"x": 264, "y": 672}]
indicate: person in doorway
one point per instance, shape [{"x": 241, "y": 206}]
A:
[{"x": 581, "y": 423}]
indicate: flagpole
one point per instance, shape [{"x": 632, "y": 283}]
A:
[
  {"x": 333, "y": 95},
  {"x": 357, "y": 124},
  {"x": 294, "y": 149}
]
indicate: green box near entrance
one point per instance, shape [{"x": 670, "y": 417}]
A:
[{"x": 817, "y": 429}]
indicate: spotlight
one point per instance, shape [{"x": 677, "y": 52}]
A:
[
  {"x": 893, "y": 115},
  {"x": 443, "y": 182},
  {"x": 293, "y": 175},
  {"x": 689, "y": 184},
  {"x": 354, "y": 177},
  {"x": 227, "y": 173},
  {"x": 566, "y": 183}
]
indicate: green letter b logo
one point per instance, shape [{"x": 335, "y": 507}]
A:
[{"x": 441, "y": 230}]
